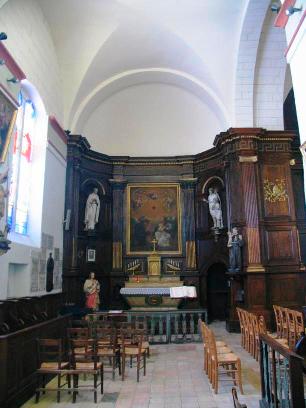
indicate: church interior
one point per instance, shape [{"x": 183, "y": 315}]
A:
[{"x": 152, "y": 203}]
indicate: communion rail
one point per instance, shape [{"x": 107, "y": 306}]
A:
[
  {"x": 172, "y": 326},
  {"x": 281, "y": 373}
]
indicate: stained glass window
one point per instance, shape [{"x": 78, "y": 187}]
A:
[{"x": 20, "y": 187}]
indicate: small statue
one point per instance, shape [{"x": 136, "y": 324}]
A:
[
  {"x": 235, "y": 242},
  {"x": 92, "y": 210},
  {"x": 50, "y": 268},
  {"x": 92, "y": 292},
  {"x": 214, "y": 203}
]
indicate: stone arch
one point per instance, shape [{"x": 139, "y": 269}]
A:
[
  {"x": 246, "y": 60},
  {"x": 137, "y": 76},
  {"x": 270, "y": 73}
]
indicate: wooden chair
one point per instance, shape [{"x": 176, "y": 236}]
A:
[
  {"x": 299, "y": 323},
  {"x": 221, "y": 348},
  {"x": 278, "y": 320},
  {"x": 142, "y": 325},
  {"x": 242, "y": 327},
  {"x": 107, "y": 348},
  {"x": 255, "y": 324},
  {"x": 284, "y": 322},
  {"x": 263, "y": 329},
  {"x": 78, "y": 333},
  {"x": 228, "y": 364},
  {"x": 246, "y": 329},
  {"x": 292, "y": 333},
  {"x": 235, "y": 399},
  {"x": 85, "y": 362},
  {"x": 252, "y": 342},
  {"x": 133, "y": 349},
  {"x": 51, "y": 362}
]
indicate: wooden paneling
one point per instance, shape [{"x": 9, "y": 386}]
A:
[
  {"x": 280, "y": 245},
  {"x": 256, "y": 291},
  {"x": 18, "y": 360},
  {"x": 258, "y": 196}
]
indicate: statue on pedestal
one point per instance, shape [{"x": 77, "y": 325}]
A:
[
  {"x": 92, "y": 292},
  {"x": 235, "y": 242}
]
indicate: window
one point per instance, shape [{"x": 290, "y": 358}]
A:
[{"x": 20, "y": 186}]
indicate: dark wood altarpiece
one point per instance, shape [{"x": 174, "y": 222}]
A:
[{"x": 259, "y": 178}]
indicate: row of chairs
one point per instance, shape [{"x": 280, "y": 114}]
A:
[
  {"x": 88, "y": 355},
  {"x": 251, "y": 326},
  {"x": 220, "y": 362},
  {"x": 289, "y": 324},
  {"x": 82, "y": 358},
  {"x": 114, "y": 344}
]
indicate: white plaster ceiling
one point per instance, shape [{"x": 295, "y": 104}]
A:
[{"x": 106, "y": 46}]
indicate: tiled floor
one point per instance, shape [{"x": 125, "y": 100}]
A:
[{"x": 175, "y": 379}]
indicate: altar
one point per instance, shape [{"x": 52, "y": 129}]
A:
[{"x": 153, "y": 291}]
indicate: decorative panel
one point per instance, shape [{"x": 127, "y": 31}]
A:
[
  {"x": 280, "y": 245},
  {"x": 275, "y": 190},
  {"x": 256, "y": 291}
]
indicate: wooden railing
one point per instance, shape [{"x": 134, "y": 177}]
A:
[
  {"x": 174, "y": 326},
  {"x": 281, "y": 373}
]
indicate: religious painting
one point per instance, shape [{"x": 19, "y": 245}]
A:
[
  {"x": 153, "y": 218},
  {"x": 8, "y": 113}
]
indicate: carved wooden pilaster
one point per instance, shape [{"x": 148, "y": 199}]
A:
[
  {"x": 77, "y": 145},
  {"x": 118, "y": 186},
  {"x": 248, "y": 165},
  {"x": 188, "y": 187}
]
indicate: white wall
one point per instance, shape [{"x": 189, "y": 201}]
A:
[
  {"x": 30, "y": 43},
  {"x": 152, "y": 119},
  {"x": 296, "y": 57},
  {"x": 270, "y": 75}
]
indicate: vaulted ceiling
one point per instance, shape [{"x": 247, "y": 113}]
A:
[{"x": 125, "y": 58}]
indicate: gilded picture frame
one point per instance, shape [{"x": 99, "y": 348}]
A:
[
  {"x": 153, "y": 214},
  {"x": 8, "y": 114}
]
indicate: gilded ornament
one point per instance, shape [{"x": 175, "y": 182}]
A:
[{"x": 275, "y": 191}]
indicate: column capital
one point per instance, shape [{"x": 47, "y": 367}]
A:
[
  {"x": 188, "y": 183},
  {"x": 118, "y": 183}
]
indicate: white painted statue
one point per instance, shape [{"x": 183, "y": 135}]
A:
[
  {"x": 214, "y": 203},
  {"x": 92, "y": 210}
]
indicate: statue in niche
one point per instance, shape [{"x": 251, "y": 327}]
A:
[
  {"x": 50, "y": 268},
  {"x": 92, "y": 292},
  {"x": 235, "y": 243},
  {"x": 92, "y": 210},
  {"x": 215, "y": 210}
]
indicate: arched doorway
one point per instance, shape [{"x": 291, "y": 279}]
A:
[{"x": 217, "y": 292}]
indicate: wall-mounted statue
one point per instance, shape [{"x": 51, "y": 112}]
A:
[
  {"x": 92, "y": 210},
  {"x": 215, "y": 210},
  {"x": 235, "y": 242},
  {"x": 50, "y": 269}
]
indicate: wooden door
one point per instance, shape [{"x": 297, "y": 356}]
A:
[{"x": 217, "y": 292}]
